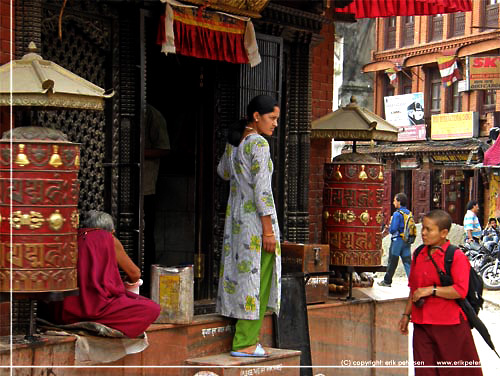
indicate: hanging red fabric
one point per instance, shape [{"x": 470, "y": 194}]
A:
[
  {"x": 207, "y": 35},
  {"x": 389, "y": 8}
]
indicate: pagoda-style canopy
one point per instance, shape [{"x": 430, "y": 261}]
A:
[
  {"x": 249, "y": 8},
  {"x": 41, "y": 83},
  {"x": 353, "y": 123}
]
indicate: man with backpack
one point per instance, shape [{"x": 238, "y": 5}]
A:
[{"x": 400, "y": 247}]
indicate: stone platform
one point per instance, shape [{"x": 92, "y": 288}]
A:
[{"x": 341, "y": 331}]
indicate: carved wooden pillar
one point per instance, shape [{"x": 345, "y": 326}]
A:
[
  {"x": 298, "y": 142},
  {"x": 127, "y": 137}
]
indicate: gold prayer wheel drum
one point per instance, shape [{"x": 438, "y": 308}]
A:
[
  {"x": 38, "y": 211},
  {"x": 352, "y": 210}
]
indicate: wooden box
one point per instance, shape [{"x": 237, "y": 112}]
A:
[
  {"x": 309, "y": 258},
  {"x": 317, "y": 289},
  {"x": 306, "y": 258}
]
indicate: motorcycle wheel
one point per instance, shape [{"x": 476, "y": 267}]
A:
[{"x": 491, "y": 280}]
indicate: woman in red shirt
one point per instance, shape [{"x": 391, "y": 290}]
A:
[{"x": 441, "y": 333}]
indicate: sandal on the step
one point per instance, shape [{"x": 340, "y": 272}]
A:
[{"x": 258, "y": 353}]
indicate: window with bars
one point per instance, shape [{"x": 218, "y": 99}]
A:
[
  {"x": 435, "y": 91},
  {"x": 436, "y": 27},
  {"x": 408, "y": 31},
  {"x": 457, "y": 24},
  {"x": 390, "y": 35},
  {"x": 491, "y": 14},
  {"x": 489, "y": 101}
]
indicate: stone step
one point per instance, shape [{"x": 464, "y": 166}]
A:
[{"x": 224, "y": 364}]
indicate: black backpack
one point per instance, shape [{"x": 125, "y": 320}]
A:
[{"x": 475, "y": 292}]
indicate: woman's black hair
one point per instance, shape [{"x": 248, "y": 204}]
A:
[{"x": 263, "y": 104}]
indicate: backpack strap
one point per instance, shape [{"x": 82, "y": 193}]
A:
[
  {"x": 417, "y": 251},
  {"x": 448, "y": 258}
]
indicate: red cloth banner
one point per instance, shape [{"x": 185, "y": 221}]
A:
[
  {"x": 204, "y": 34},
  {"x": 389, "y": 8}
]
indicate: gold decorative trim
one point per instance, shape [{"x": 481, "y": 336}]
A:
[
  {"x": 77, "y": 161},
  {"x": 380, "y": 217},
  {"x": 362, "y": 174},
  {"x": 380, "y": 174},
  {"x": 55, "y": 159},
  {"x": 348, "y": 216},
  {"x": 21, "y": 158},
  {"x": 338, "y": 174},
  {"x": 365, "y": 217},
  {"x": 54, "y": 100},
  {"x": 55, "y": 220},
  {"x": 350, "y": 135},
  {"x": 34, "y": 220},
  {"x": 75, "y": 221}
]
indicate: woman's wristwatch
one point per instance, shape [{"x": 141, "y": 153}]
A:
[{"x": 434, "y": 290}]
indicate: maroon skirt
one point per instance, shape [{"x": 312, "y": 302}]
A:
[{"x": 446, "y": 350}]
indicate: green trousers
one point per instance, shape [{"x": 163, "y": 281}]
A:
[{"x": 247, "y": 331}]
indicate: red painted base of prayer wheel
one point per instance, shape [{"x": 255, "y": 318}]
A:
[
  {"x": 352, "y": 210},
  {"x": 39, "y": 191}
]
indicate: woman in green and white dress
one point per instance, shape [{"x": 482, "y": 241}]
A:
[{"x": 250, "y": 275}]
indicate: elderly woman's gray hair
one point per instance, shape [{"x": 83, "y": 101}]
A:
[{"x": 97, "y": 219}]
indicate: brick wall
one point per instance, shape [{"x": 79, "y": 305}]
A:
[
  {"x": 6, "y": 33},
  {"x": 322, "y": 98}
]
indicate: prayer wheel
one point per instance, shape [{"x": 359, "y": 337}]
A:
[
  {"x": 352, "y": 210},
  {"x": 39, "y": 191}
]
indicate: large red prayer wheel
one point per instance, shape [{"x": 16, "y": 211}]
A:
[
  {"x": 352, "y": 210},
  {"x": 38, "y": 214}
]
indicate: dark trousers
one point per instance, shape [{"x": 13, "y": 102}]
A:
[
  {"x": 149, "y": 242},
  {"x": 449, "y": 343}
]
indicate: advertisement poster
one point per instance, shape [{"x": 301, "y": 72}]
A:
[
  {"x": 483, "y": 72},
  {"x": 407, "y": 113},
  {"x": 455, "y": 126}
]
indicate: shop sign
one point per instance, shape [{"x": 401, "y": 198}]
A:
[
  {"x": 454, "y": 125},
  {"x": 408, "y": 163},
  {"x": 407, "y": 113},
  {"x": 483, "y": 72},
  {"x": 453, "y": 159}
]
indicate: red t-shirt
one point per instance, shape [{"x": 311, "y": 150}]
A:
[{"x": 436, "y": 310}]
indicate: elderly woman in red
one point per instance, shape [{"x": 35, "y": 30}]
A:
[
  {"x": 103, "y": 297},
  {"x": 441, "y": 332}
]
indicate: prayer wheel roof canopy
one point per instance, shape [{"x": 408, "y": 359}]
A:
[
  {"x": 353, "y": 123},
  {"x": 42, "y": 83},
  {"x": 249, "y": 8}
]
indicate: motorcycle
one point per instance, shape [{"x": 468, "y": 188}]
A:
[
  {"x": 490, "y": 273},
  {"x": 479, "y": 254}
]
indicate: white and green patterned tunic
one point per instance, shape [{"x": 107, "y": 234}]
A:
[{"x": 249, "y": 169}]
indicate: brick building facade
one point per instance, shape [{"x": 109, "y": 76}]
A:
[{"x": 437, "y": 174}]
